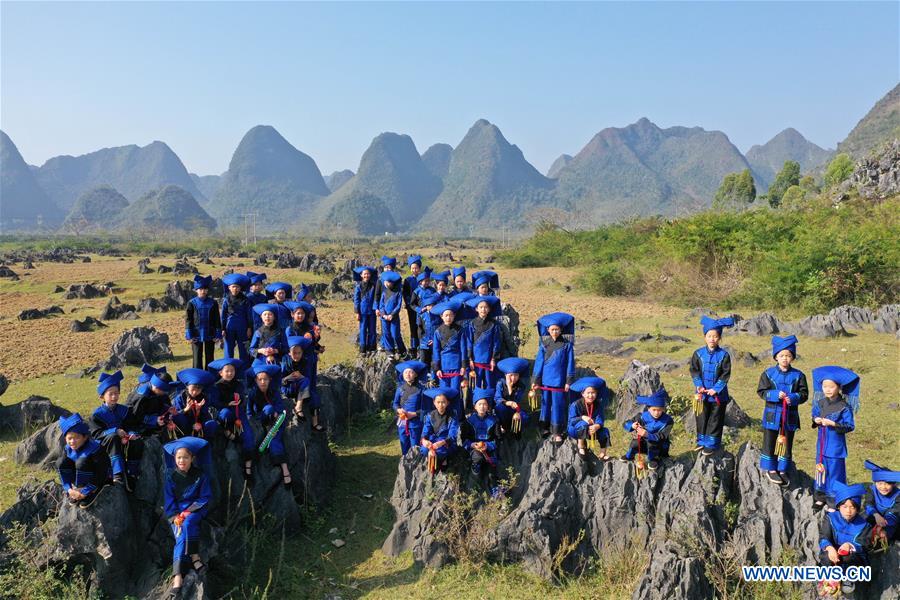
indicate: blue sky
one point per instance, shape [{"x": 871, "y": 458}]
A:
[{"x": 76, "y": 77}]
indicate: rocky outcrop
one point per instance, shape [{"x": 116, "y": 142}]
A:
[
  {"x": 177, "y": 295},
  {"x": 876, "y": 177},
  {"x": 87, "y": 324},
  {"x": 8, "y": 273},
  {"x": 366, "y": 386},
  {"x": 32, "y": 412},
  {"x": 138, "y": 346},
  {"x": 86, "y": 291},
  {"x": 834, "y": 324},
  {"x": 887, "y": 319},
  {"x": 116, "y": 309},
  {"x": 40, "y": 313}
]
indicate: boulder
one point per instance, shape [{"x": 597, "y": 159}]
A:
[
  {"x": 762, "y": 324},
  {"x": 115, "y": 309},
  {"x": 4, "y": 384},
  {"x": 87, "y": 324},
  {"x": 183, "y": 267},
  {"x": 163, "y": 269},
  {"x": 887, "y": 319},
  {"x": 852, "y": 317},
  {"x": 639, "y": 380},
  {"x": 315, "y": 264},
  {"x": 599, "y": 345},
  {"x": 27, "y": 264},
  {"x": 817, "y": 326},
  {"x": 32, "y": 412},
  {"x": 39, "y": 313},
  {"x": 138, "y": 346},
  {"x": 143, "y": 267},
  {"x": 8, "y": 273},
  {"x": 509, "y": 328},
  {"x": 84, "y": 291}
]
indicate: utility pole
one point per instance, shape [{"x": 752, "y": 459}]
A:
[{"x": 250, "y": 226}]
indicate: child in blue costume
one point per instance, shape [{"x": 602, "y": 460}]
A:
[
  {"x": 509, "y": 394},
  {"x": 237, "y": 315},
  {"x": 844, "y": 534},
  {"x": 427, "y": 323},
  {"x": 650, "y": 429},
  {"x": 202, "y": 323},
  {"x": 389, "y": 310},
  {"x": 486, "y": 283},
  {"x": 449, "y": 350},
  {"x": 410, "y": 284},
  {"x": 278, "y": 293},
  {"x": 365, "y": 302},
  {"x": 460, "y": 284},
  {"x": 194, "y": 415},
  {"x": 441, "y": 283},
  {"x": 229, "y": 395},
  {"x": 783, "y": 388},
  {"x": 835, "y": 399},
  {"x": 423, "y": 283},
  {"x": 586, "y": 415},
  {"x": 304, "y": 325},
  {"x": 152, "y": 406},
  {"x": 389, "y": 265},
  {"x": 118, "y": 430},
  {"x": 554, "y": 371},
  {"x": 295, "y": 381},
  {"x": 269, "y": 343},
  {"x": 710, "y": 368},
  {"x": 441, "y": 427},
  {"x": 483, "y": 341},
  {"x": 883, "y": 501},
  {"x": 83, "y": 466},
  {"x": 256, "y": 295},
  {"x": 480, "y": 433},
  {"x": 266, "y": 404},
  {"x": 187, "y": 494},
  {"x": 410, "y": 403}
]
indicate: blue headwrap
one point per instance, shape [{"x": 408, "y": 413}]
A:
[
  {"x": 293, "y": 305},
  {"x": 299, "y": 340},
  {"x": 74, "y": 423},
  {"x": 387, "y": 261},
  {"x": 709, "y": 324},
  {"x": 425, "y": 274},
  {"x": 483, "y": 394},
  {"x": 784, "y": 343},
  {"x": 199, "y": 377},
  {"x": 302, "y": 291},
  {"x": 591, "y": 382},
  {"x": 513, "y": 364},
  {"x": 493, "y": 303},
  {"x": 442, "y": 277},
  {"x": 256, "y": 277},
  {"x": 219, "y": 364},
  {"x": 279, "y": 285},
  {"x": 430, "y": 298},
  {"x": 391, "y": 277},
  {"x": 163, "y": 385},
  {"x": 236, "y": 279},
  {"x": 847, "y": 379},
  {"x": 657, "y": 399},
  {"x": 416, "y": 365},
  {"x": 844, "y": 492},
  {"x": 564, "y": 321},
  {"x": 459, "y": 271},
  {"x": 201, "y": 282},
  {"x": 199, "y": 449},
  {"x": 261, "y": 308},
  {"x": 148, "y": 371},
  {"x": 414, "y": 259},
  {"x": 272, "y": 371},
  {"x": 452, "y": 305},
  {"x": 449, "y": 392},
  {"x": 108, "y": 380},
  {"x": 358, "y": 271},
  {"x": 882, "y": 473}
]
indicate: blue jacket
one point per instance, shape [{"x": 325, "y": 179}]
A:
[
  {"x": 106, "y": 421},
  {"x": 658, "y": 430},
  {"x": 554, "y": 365},
  {"x": 94, "y": 473},
  {"x": 836, "y": 531},
  {"x": 886, "y": 506},
  {"x": 579, "y": 409},
  {"x": 237, "y": 314},
  {"x": 202, "y": 321},
  {"x": 793, "y": 383},
  {"x": 484, "y": 341},
  {"x": 835, "y": 444},
  {"x": 412, "y": 399},
  {"x": 711, "y": 370},
  {"x": 390, "y": 303},
  {"x": 268, "y": 338},
  {"x": 290, "y": 389},
  {"x": 448, "y": 431},
  {"x": 478, "y": 429},
  {"x": 449, "y": 347},
  {"x": 182, "y": 490},
  {"x": 364, "y": 303}
]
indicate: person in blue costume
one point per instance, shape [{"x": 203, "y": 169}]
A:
[
  {"x": 783, "y": 388},
  {"x": 202, "y": 323},
  {"x": 427, "y": 323},
  {"x": 710, "y": 368},
  {"x": 228, "y": 394},
  {"x": 480, "y": 433},
  {"x": 410, "y": 403},
  {"x": 389, "y": 265},
  {"x": 295, "y": 381},
  {"x": 441, "y": 428},
  {"x": 305, "y": 325},
  {"x": 883, "y": 502},
  {"x": 460, "y": 283},
  {"x": 278, "y": 293},
  {"x": 152, "y": 406},
  {"x": 441, "y": 283},
  {"x": 365, "y": 302},
  {"x": 414, "y": 262},
  {"x": 187, "y": 494},
  {"x": 554, "y": 371},
  {"x": 117, "y": 429},
  {"x": 509, "y": 395},
  {"x": 389, "y": 311},
  {"x": 843, "y": 536},
  {"x": 586, "y": 415},
  {"x": 265, "y": 404},
  {"x": 237, "y": 315},
  {"x": 194, "y": 414},
  {"x": 484, "y": 339},
  {"x": 256, "y": 295},
  {"x": 835, "y": 400},
  {"x": 449, "y": 350},
  {"x": 83, "y": 466},
  {"x": 423, "y": 282},
  {"x": 269, "y": 343},
  {"x": 650, "y": 430},
  {"x": 486, "y": 283}
]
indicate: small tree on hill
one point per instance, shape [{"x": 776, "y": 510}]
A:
[
  {"x": 839, "y": 169},
  {"x": 788, "y": 176},
  {"x": 737, "y": 192}
]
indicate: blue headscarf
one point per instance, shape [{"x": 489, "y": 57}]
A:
[
  {"x": 236, "y": 279},
  {"x": 718, "y": 324},
  {"x": 882, "y": 473},
  {"x": 847, "y": 379},
  {"x": 108, "y": 380},
  {"x": 201, "y": 282},
  {"x": 74, "y": 423},
  {"x": 513, "y": 364},
  {"x": 844, "y": 492},
  {"x": 657, "y": 399},
  {"x": 784, "y": 343},
  {"x": 416, "y": 365}
]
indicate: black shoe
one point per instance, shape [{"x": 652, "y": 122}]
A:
[
  {"x": 784, "y": 479},
  {"x": 707, "y": 451},
  {"x": 175, "y": 593},
  {"x": 774, "y": 477},
  {"x": 653, "y": 465},
  {"x": 625, "y": 458},
  {"x": 119, "y": 479},
  {"x": 818, "y": 505}
]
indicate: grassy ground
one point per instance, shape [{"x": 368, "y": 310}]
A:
[{"x": 45, "y": 350}]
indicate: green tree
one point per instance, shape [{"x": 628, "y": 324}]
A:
[
  {"x": 737, "y": 192},
  {"x": 788, "y": 176},
  {"x": 793, "y": 197},
  {"x": 839, "y": 169},
  {"x": 809, "y": 186}
]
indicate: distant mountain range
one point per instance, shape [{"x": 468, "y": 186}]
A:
[{"x": 484, "y": 183}]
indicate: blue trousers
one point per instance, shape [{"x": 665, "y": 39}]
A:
[
  {"x": 554, "y": 409},
  {"x": 410, "y": 438},
  {"x": 485, "y": 378},
  {"x": 579, "y": 431},
  {"x": 187, "y": 542},
  {"x": 276, "y": 446},
  {"x": 835, "y": 470},
  {"x": 236, "y": 339},
  {"x": 391, "y": 338},
  {"x": 367, "y": 333}
]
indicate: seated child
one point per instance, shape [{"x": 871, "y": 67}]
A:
[
  {"x": 305, "y": 324},
  {"x": 650, "y": 429},
  {"x": 835, "y": 399},
  {"x": 483, "y": 341},
  {"x": 237, "y": 315},
  {"x": 441, "y": 428},
  {"x": 193, "y": 416},
  {"x": 509, "y": 394},
  {"x": 147, "y": 372},
  {"x": 783, "y": 388},
  {"x": 202, "y": 323},
  {"x": 480, "y": 433},
  {"x": 266, "y": 405},
  {"x": 882, "y": 506},
  {"x": 843, "y": 534},
  {"x": 449, "y": 350},
  {"x": 84, "y": 466},
  {"x": 710, "y": 369},
  {"x": 151, "y": 409},
  {"x": 268, "y": 344},
  {"x": 295, "y": 379},
  {"x": 187, "y": 495},
  {"x": 554, "y": 371},
  {"x": 365, "y": 302},
  {"x": 229, "y": 396},
  {"x": 586, "y": 415},
  {"x": 389, "y": 311},
  {"x": 410, "y": 403},
  {"x": 118, "y": 431}
]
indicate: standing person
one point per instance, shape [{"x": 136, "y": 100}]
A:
[
  {"x": 710, "y": 371},
  {"x": 365, "y": 302},
  {"x": 459, "y": 281},
  {"x": 410, "y": 284},
  {"x": 277, "y": 293},
  {"x": 483, "y": 341},
  {"x": 257, "y": 294},
  {"x": 835, "y": 399},
  {"x": 389, "y": 310},
  {"x": 237, "y": 315},
  {"x": 269, "y": 343},
  {"x": 202, "y": 323},
  {"x": 554, "y": 371},
  {"x": 449, "y": 351}
]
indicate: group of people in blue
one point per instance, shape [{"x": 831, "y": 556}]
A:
[{"x": 460, "y": 393}]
